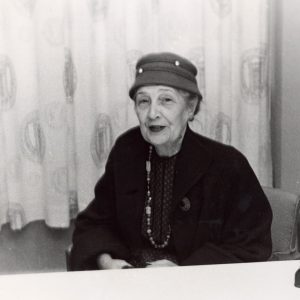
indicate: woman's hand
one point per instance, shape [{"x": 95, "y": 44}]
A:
[
  {"x": 106, "y": 262},
  {"x": 161, "y": 263}
]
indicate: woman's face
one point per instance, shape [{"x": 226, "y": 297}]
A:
[{"x": 163, "y": 114}]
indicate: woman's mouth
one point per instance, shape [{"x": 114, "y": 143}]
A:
[{"x": 156, "y": 128}]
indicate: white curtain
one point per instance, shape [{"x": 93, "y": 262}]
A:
[{"x": 65, "y": 70}]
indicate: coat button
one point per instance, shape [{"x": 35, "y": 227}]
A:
[{"x": 185, "y": 204}]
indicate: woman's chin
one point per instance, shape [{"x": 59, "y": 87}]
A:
[
  {"x": 157, "y": 142},
  {"x": 157, "y": 138}
]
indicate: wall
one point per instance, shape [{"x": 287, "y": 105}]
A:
[{"x": 286, "y": 94}]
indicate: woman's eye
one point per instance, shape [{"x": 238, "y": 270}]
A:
[
  {"x": 142, "y": 101},
  {"x": 166, "y": 99}
]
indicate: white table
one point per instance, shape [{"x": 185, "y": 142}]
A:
[{"x": 270, "y": 280}]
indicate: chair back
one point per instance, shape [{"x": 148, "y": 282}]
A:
[{"x": 285, "y": 225}]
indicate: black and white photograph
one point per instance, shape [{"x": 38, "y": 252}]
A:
[{"x": 149, "y": 149}]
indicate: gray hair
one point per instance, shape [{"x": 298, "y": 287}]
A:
[{"x": 190, "y": 97}]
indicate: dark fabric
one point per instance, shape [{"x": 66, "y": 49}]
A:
[
  {"x": 228, "y": 217},
  {"x": 161, "y": 187}
]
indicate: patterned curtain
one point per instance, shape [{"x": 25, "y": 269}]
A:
[{"x": 65, "y": 70}]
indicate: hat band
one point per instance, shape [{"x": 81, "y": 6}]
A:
[{"x": 166, "y": 68}]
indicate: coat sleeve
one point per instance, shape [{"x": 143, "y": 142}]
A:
[
  {"x": 245, "y": 231},
  {"x": 95, "y": 227}
]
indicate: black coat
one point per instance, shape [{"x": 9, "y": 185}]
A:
[{"x": 228, "y": 221}]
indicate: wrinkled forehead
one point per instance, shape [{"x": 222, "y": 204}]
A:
[{"x": 152, "y": 89}]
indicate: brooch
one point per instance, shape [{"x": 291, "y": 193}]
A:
[{"x": 185, "y": 204}]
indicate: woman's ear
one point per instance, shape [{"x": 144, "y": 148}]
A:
[
  {"x": 134, "y": 105},
  {"x": 192, "y": 103}
]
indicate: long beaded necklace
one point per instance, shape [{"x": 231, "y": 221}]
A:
[{"x": 148, "y": 208}]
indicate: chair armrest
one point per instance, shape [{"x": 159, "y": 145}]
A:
[{"x": 68, "y": 257}]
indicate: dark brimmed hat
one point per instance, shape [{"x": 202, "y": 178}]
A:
[{"x": 167, "y": 69}]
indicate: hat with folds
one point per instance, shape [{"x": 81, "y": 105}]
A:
[{"x": 167, "y": 69}]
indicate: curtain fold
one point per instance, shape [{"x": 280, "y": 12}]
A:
[{"x": 65, "y": 70}]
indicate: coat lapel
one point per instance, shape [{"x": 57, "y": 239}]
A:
[
  {"x": 133, "y": 175},
  {"x": 192, "y": 162}
]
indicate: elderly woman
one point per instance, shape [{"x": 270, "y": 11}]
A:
[{"x": 170, "y": 196}]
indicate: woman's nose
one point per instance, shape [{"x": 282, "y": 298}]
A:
[{"x": 153, "y": 112}]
